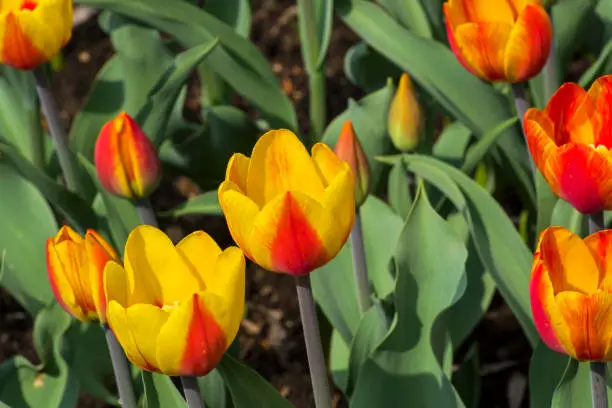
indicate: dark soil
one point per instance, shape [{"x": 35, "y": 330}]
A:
[{"x": 270, "y": 335}]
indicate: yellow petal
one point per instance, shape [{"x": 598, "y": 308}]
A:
[
  {"x": 238, "y": 170},
  {"x": 280, "y": 163},
  {"x": 117, "y": 284},
  {"x": 240, "y": 212},
  {"x": 338, "y": 202},
  {"x": 193, "y": 339},
  {"x": 200, "y": 252},
  {"x": 158, "y": 268},
  {"x": 326, "y": 161},
  {"x": 489, "y": 11},
  {"x": 145, "y": 322},
  {"x": 60, "y": 284}
]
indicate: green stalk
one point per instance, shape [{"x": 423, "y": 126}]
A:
[
  {"x": 145, "y": 211},
  {"x": 37, "y": 137},
  {"x": 359, "y": 264},
  {"x": 191, "y": 389},
  {"x": 520, "y": 101},
  {"x": 121, "y": 368},
  {"x": 316, "y": 75}
]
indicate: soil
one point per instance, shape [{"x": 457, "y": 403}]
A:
[{"x": 270, "y": 335}]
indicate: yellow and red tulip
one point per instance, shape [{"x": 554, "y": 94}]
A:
[
  {"x": 175, "y": 309},
  {"x": 289, "y": 212},
  {"x": 405, "y": 117},
  {"x": 502, "y": 40},
  {"x": 33, "y": 31},
  {"x": 571, "y": 293},
  {"x": 126, "y": 160},
  {"x": 348, "y": 148},
  {"x": 570, "y": 140},
  {"x": 75, "y": 266}
]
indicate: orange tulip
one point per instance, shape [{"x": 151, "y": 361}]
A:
[
  {"x": 126, "y": 160},
  {"x": 348, "y": 148},
  {"x": 569, "y": 142},
  {"x": 33, "y": 31},
  {"x": 571, "y": 293},
  {"x": 405, "y": 118},
  {"x": 75, "y": 266},
  {"x": 502, "y": 40},
  {"x": 289, "y": 212}
]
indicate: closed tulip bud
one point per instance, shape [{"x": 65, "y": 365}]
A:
[
  {"x": 126, "y": 160},
  {"x": 289, "y": 212},
  {"x": 571, "y": 293},
  {"x": 175, "y": 309},
  {"x": 405, "y": 117},
  {"x": 506, "y": 40},
  {"x": 33, "y": 31},
  {"x": 348, "y": 148},
  {"x": 570, "y": 142},
  {"x": 75, "y": 266}
]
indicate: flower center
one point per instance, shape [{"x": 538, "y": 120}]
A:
[{"x": 28, "y": 5}]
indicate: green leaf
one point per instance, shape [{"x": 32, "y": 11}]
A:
[
  {"x": 600, "y": 67},
  {"x": 547, "y": 202},
  {"x": 453, "y": 143},
  {"x": 51, "y": 383},
  {"x": 26, "y": 222},
  {"x": 76, "y": 210},
  {"x": 339, "y": 360},
  {"x": 334, "y": 283},
  {"x": 400, "y": 197},
  {"x": 407, "y": 364},
  {"x": 235, "y": 13},
  {"x": 565, "y": 215},
  {"x": 433, "y": 66},
  {"x": 203, "y": 204},
  {"x": 247, "y": 388},
  {"x": 478, "y": 151},
  {"x": 499, "y": 245},
  {"x": 466, "y": 379},
  {"x": 546, "y": 370},
  {"x": 160, "y": 392},
  {"x": 213, "y": 390},
  {"x": 367, "y": 69},
  {"x": 369, "y": 117},
  {"x": 410, "y": 14},
  {"x": 236, "y": 60}
]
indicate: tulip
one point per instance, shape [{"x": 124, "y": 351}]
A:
[
  {"x": 126, "y": 160},
  {"x": 175, "y": 309},
  {"x": 502, "y": 40},
  {"x": 349, "y": 149},
  {"x": 405, "y": 117},
  {"x": 569, "y": 142},
  {"x": 289, "y": 212},
  {"x": 75, "y": 266},
  {"x": 571, "y": 293},
  {"x": 33, "y": 31}
]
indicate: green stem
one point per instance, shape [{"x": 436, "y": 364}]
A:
[
  {"x": 359, "y": 264},
  {"x": 551, "y": 73},
  {"x": 121, "y": 367},
  {"x": 599, "y": 390},
  {"x": 145, "y": 211},
  {"x": 596, "y": 222},
  {"x": 520, "y": 101},
  {"x": 37, "y": 137},
  {"x": 314, "y": 348},
  {"x": 318, "y": 108},
  {"x": 191, "y": 389},
  {"x": 49, "y": 108}
]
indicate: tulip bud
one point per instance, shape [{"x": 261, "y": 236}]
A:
[
  {"x": 126, "y": 160},
  {"x": 33, "y": 31},
  {"x": 75, "y": 266},
  {"x": 349, "y": 149},
  {"x": 405, "y": 117}
]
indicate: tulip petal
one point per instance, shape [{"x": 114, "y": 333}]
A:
[
  {"x": 454, "y": 16},
  {"x": 60, "y": 284},
  {"x": 574, "y": 115},
  {"x": 193, "y": 340},
  {"x": 145, "y": 322},
  {"x": 582, "y": 176},
  {"x": 589, "y": 319},
  {"x": 488, "y": 11},
  {"x": 601, "y": 93},
  {"x": 546, "y": 315},
  {"x": 529, "y": 44},
  {"x": 483, "y": 46},
  {"x": 568, "y": 260},
  {"x": 600, "y": 245},
  {"x": 240, "y": 212},
  {"x": 160, "y": 271},
  {"x": 117, "y": 284},
  {"x": 280, "y": 163},
  {"x": 338, "y": 201},
  {"x": 200, "y": 252},
  {"x": 289, "y": 234},
  {"x": 540, "y": 132},
  {"x": 327, "y": 163},
  {"x": 238, "y": 170},
  {"x": 99, "y": 252},
  {"x": 118, "y": 321}
]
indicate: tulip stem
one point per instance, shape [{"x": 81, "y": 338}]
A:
[
  {"x": 49, "y": 108},
  {"x": 520, "y": 101},
  {"x": 596, "y": 222},
  {"x": 145, "y": 211},
  {"x": 37, "y": 137},
  {"x": 191, "y": 389},
  {"x": 599, "y": 390},
  {"x": 314, "y": 348},
  {"x": 121, "y": 367},
  {"x": 359, "y": 263}
]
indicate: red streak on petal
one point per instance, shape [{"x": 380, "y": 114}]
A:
[
  {"x": 578, "y": 184},
  {"x": 28, "y": 5},
  {"x": 205, "y": 343},
  {"x": 18, "y": 50},
  {"x": 296, "y": 249}
]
